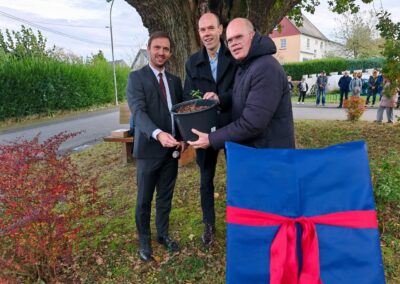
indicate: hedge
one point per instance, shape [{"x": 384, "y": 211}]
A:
[
  {"x": 36, "y": 85},
  {"x": 298, "y": 69}
]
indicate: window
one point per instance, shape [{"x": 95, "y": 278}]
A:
[
  {"x": 308, "y": 43},
  {"x": 322, "y": 45},
  {"x": 283, "y": 43}
]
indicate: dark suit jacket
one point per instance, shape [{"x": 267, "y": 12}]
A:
[
  {"x": 198, "y": 77},
  {"x": 150, "y": 110}
]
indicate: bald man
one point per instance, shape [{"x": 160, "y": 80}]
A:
[
  {"x": 210, "y": 70},
  {"x": 261, "y": 106}
]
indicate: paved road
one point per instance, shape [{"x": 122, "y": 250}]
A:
[
  {"x": 330, "y": 112},
  {"x": 95, "y": 124},
  {"x": 100, "y": 123}
]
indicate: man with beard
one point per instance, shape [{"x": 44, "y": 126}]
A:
[{"x": 151, "y": 92}]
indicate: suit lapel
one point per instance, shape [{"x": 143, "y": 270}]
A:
[{"x": 171, "y": 88}]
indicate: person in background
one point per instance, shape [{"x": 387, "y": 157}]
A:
[
  {"x": 211, "y": 70},
  {"x": 379, "y": 85},
  {"x": 344, "y": 85},
  {"x": 322, "y": 81},
  {"x": 290, "y": 85},
  {"x": 372, "y": 88},
  {"x": 303, "y": 88},
  {"x": 356, "y": 84},
  {"x": 388, "y": 102}
]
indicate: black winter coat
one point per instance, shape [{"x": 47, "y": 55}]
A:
[
  {"x": 261, "y": 106},
  {"x": 198, "y": 77}
]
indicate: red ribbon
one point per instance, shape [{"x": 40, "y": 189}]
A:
[{"x": 283, "y": 257}]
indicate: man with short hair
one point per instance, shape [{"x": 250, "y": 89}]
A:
[
  {"x": 211, "y": 71},
  {"x": 151, "y": 93},
  {"x": 261, "y": 105},
  {"x": 322, "y": 81},
  {"x": 344, "y": 85}
]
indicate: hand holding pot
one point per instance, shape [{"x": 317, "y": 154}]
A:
[
  {"x": 211, "y": 96},
  {"x": 167, "y": 140},
  {"x": 203, "y": 141}
]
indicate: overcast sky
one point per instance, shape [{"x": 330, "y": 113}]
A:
[{"x": 81, "y": 26}]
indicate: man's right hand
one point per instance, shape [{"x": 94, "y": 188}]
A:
[{"x": 167, "y": 140}]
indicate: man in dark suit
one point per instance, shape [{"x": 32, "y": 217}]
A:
[
  {"x": 261, "y": 105},
  {"x": 151, "y": 92},
  {"x": 211, "y": 71}
]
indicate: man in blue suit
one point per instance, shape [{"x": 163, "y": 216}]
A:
[{"x": 151, "y": 93}]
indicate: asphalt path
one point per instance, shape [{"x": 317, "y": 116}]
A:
[
  {"x": 96, "y": 125},
  {"x": 99, "y": 124}
]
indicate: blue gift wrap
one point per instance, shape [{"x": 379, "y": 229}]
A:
[{"x": 297, "y": 183}]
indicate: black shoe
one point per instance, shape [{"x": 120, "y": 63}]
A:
[
  {"x": 169, "y": 243},
  {"x": 145, "y": 252},
  {"x": 208, "y": 235}
]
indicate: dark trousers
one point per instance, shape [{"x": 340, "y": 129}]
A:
[
  {"x": 302, "y": 95},
  {"x": 373, "y": 94},
  {"x": 159, "y": 175},
  {"x": 207, "y": 160},
  {"x": 346, "y": 96}
]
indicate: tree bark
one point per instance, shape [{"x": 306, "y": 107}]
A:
[{"x": 179, "y": 18}]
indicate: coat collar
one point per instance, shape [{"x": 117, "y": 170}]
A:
[{"x": 201, "y": 58}]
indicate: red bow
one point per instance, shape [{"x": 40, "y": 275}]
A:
[{"x": 283, "y": 258}]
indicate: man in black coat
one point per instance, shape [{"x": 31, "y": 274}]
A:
[
  {"x": 344, "y": 85},
  {"x": 211, "y": 71},
  {"x": 151, "y": 92},
  {"x": 261, "y": 105}
]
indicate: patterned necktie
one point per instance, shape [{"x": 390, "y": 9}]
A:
[{"x": 162, "y": 86}]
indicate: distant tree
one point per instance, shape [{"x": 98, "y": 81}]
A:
[
  {"x": 23, "y": 43},
  {"x": 391, "y": 32},
  {"x": 97, "y": 58},
  {"x": 358, "y": 34},
  {"x": 60, "y": 54}
]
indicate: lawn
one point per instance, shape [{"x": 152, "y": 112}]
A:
[{"x": 110, "y": 253}]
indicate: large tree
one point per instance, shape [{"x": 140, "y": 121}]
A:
[{"x": 179, "y": 17}]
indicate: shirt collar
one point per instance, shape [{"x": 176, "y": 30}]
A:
[
  {"x": 216, "y": 54},
  {"x": 156, "y": 72}
]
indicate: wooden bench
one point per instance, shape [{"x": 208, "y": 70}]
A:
[
  {"x": 126, "y": 147},
  {"x": 127, "y": 142}
]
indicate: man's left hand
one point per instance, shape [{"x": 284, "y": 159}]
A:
[
  {"x": 203, "y": 141},
  {"x": 211, "y": 96}
]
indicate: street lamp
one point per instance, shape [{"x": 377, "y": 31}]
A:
[{"x": 112, "y": 54}]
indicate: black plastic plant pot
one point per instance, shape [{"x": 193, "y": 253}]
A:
[{"x": 204, "y": 120}]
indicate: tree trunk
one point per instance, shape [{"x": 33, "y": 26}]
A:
[{"x": 179, "y": 18}]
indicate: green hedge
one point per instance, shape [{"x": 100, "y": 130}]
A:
[
  {"x": 298, "y": 69},
  {"x": 37, "y": 85}
]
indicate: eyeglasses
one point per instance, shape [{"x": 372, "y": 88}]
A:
[{"x": 237, "y": 39}]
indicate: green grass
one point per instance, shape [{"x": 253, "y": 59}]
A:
[{"x": 113, "y": 237}]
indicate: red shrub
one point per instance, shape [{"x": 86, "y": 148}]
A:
[
  {"x": 355, "y": 107},
  {"x": 43, "y": 201}
]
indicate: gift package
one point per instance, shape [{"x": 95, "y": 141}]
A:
[{"x": 303, "y": 216}]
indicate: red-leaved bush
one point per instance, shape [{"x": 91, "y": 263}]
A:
[
  {"x": 355, "y": 107},
  {"x": 43, "y": 201}
]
